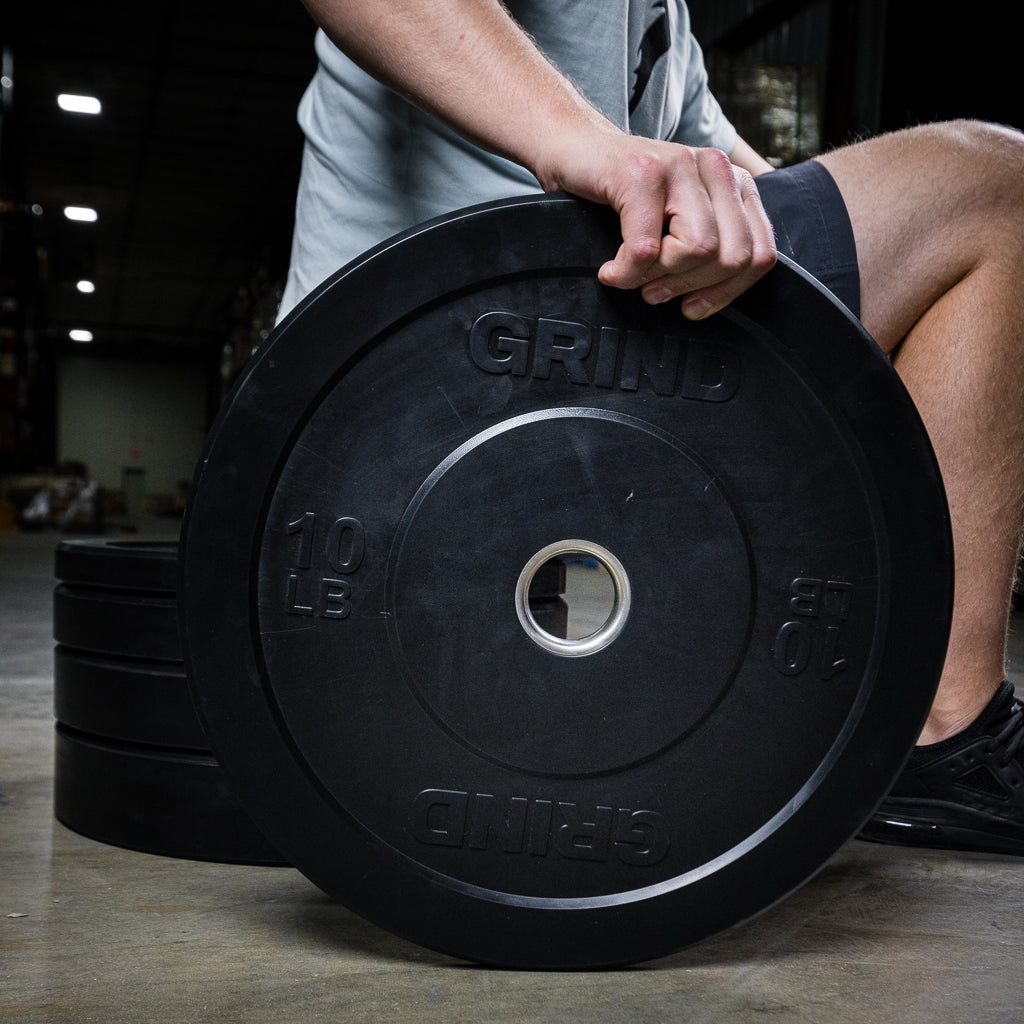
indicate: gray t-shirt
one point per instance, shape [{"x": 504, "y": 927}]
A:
[{"x": 374, "y": 164}]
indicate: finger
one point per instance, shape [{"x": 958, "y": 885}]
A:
[
  {"x": 708, "y": 238},
  {"x": 746, "y": 252},
  {"x": 724, "y": 251},
  {"x": 725, "y": 184},
  {"x": 641, "y": 220},
  {"x": 663, "y": 189},
  {"x": 763, "y": 252},
  {"x": 702, "y": 302}
]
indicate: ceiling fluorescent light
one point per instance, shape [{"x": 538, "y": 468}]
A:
[
  {"x": 85, "y": 213},
  {"x": 80, "y": 335},
  {"x": 79, "y": 104}
]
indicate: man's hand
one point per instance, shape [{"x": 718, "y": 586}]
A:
[{"x": 692, "y": 222}]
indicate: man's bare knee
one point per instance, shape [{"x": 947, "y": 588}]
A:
[
  {"x": 995, "y": 150},
  {"x": 929, "y": 205}
]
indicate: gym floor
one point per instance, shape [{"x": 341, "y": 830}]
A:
[{"x": 95, "y": 933}]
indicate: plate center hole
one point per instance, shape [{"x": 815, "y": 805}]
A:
[{"x": 573, "y": 598}]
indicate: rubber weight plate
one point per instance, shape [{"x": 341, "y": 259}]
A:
[
  {"x": 172, "y": 803},
  {"x": 444, "y": 417},
  {"x": 127, "y": 623},
  {"x": 124, "y": 564},
  {"x": 127, "y": 699}
]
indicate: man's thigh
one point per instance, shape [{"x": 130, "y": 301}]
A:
[{"x": 927, "y": 205}]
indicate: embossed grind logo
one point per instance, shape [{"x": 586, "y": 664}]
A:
[
  {"x": 604, "y": 357},
  {"x": 482, "y": 821}
]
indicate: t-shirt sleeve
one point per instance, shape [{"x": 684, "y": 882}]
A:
[{"x": 701, "y": 120}]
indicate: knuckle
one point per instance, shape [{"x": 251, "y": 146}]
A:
[
  {"x": 646, "y": 165},
  {"x": 642, "y": 250},
  {"x": 659, "y": 164},
  {"x": 705, "y": 247},
  {"x": 744, "y": 180},
  {"x": 764, "y": 258},
  {"x": 688, "y": 252},
  {"x": 737, "y": 259},
  {"x": 714, "y": 161}
]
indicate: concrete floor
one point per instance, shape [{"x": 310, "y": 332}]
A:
[{"x": 89, "y": 932}]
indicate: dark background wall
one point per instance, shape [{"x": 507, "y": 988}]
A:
[
  {"x": 852, "y": 68},
  {"x": 193, "y": 163},
  {"x": 943, "y": 59}
]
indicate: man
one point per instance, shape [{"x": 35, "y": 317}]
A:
[{"x": 920, "y": 232}]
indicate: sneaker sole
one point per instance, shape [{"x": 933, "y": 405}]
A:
[{"x": 895, "y": 830}]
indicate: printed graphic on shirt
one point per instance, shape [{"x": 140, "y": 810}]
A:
[{"x": 657, "y": 39}]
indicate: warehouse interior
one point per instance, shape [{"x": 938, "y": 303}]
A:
[
  {"x": 121, "y": 336},
  {"x": 191, "y": 168}
]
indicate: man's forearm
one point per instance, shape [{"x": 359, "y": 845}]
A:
[
  {"x": 743, "y": 155},
  {"x": 468, "y": 63}
]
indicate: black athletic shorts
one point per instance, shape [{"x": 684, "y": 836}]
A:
[{"x": 812, "y": 226}]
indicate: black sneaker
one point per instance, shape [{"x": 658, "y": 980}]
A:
[{"x": 965, "y": 793}]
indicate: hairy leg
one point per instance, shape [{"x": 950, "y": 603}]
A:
[{"x": 938, "y": 215}]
